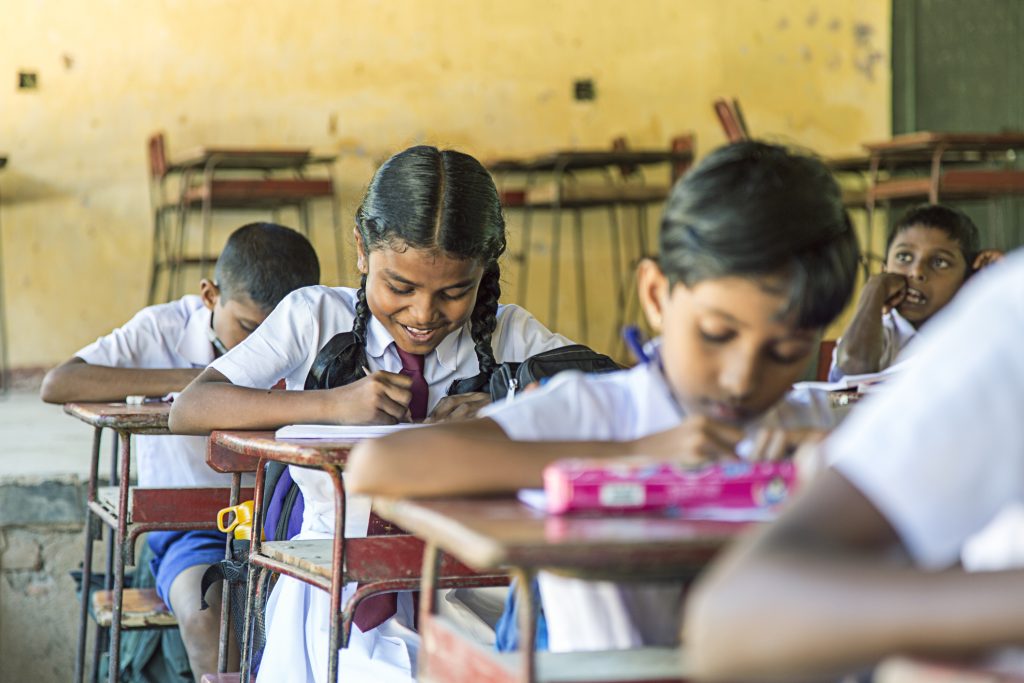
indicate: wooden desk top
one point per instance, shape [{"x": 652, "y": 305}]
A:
[
  {"x": 588, "y": 159},
  {"x": 928, "y": 141},
  {"x": 256, "y": 158},
  {"x": 303, "y": 452},
  {"x": 854, "y": 163},
  {"x": 494, "y": 533},
  {"x": 150, "y": 418}
]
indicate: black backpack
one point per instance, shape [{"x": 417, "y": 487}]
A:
[{"x": 510, "y": 378}]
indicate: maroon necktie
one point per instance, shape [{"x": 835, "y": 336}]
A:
[
  {"x": 412, "y": 366},
  {"x": 376, "y": 609}
]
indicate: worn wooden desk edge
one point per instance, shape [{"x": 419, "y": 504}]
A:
[
  {"x": 600, "y": 559},
  {"x": 262, "y": 444},
  {"x": 927, "y": 140},
  {"x": 144, "y": 419}
]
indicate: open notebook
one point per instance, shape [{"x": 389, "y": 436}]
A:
[{"x": 340, "y": 432}]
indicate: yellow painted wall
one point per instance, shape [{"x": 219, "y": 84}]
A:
[{"x": 364, "y": 79}]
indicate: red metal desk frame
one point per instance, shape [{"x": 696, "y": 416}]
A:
[
  {"x": 380, "y": 564},
  {"x": 150, "y": 510}
]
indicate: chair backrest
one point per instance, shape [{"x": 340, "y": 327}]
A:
[
  {"x": 731, "y": 118},
  {"x": 157, "y": 157},
  {"x": 619, "y": 144},
  {"x": 683, "y": 143}
]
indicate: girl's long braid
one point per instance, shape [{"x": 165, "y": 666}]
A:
[
  {"x": 350, "y": 362},
  {"x": 362, "y": 314},
  {"x": 484, "y": 318}
]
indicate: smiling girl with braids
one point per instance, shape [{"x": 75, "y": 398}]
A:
[{"x": 418, "y": 339}]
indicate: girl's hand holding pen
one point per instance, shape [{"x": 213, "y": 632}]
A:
[{"x": 379, "y": 398}]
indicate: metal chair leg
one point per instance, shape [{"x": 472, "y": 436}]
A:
[
  {"x": 618, "y": 273},
  {"x": 525, "y": 249},
  {"x": 556, "y": 255},
  {"x": 4, "y": 354},
  {"x": 581, "y": 279},
  {"x": 89, "y": 532},
  {"x": 339, "y": 237}
]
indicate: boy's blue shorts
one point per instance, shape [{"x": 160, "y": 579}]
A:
[{"x": 176, "y": 551}]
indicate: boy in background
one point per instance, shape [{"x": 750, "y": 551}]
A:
[
  {"x": 931, "y": 252},
  {"x": 159, "y": 351}
]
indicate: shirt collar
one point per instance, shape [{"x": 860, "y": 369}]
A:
[
  {"x": 378, "y": 339},
  {"x": 903, "y": 325},
  {"x": 194, "y": 343},
  {"x": 659, "y": 381}
]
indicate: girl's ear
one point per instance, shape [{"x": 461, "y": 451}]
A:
[
  {"x": 652, "y": 288},
  {"x": 209, "y": 293},
  {"x": 361, "y": 263}
]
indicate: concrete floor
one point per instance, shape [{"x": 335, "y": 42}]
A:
[{"x": 38, "y": 441}]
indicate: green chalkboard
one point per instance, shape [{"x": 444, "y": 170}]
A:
[{"x": 958, "y": 65}]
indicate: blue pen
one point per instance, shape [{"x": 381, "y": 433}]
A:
[{"x": 634, "y": 340}]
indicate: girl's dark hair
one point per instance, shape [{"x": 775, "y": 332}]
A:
[
  {"x": 955, "y": 223},
  {"x": 752, "y": 209},
  {"x": 426, "y": 198}
]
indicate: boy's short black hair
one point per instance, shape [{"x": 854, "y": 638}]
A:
[
  {"x": 265, "y": 261},
  {"x": 751, "y": 209},
  {"x": 954, "y": 222}
]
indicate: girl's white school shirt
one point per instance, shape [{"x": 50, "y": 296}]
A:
[
  {"x": 621, "y": 406},
  {"x": 172, "y": 335},
  {"x": 284, "y": 346},
  {"x": 897, "y": 333}
]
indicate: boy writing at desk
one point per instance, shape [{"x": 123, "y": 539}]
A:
[
  {"x": 864, "y": 562},
  {"x": 158, "y": 352}
]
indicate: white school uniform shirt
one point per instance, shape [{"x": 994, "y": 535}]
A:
[
  {"x": 621, "y": 406},
  {"x": 897, "y": 333},
  {"x": 166, "y": 336},
  {"x": 941, "y": 452},
  {"x": 285, "y": 345}
]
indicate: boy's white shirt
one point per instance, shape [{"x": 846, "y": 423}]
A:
[
  {"x": 897, "y": 333},
  {"x": 284, "y": 346},
  {"x": 166, "y": 336},
  {"x": 941, "y": 452},
  {"x": 621, "y": 406}
]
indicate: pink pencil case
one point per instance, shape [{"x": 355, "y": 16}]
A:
[{"x": 581, "y": 485}]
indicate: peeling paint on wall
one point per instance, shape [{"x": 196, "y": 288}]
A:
[{"x": 363, "y": 80}]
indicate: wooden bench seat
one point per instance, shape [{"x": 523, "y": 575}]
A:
[
  {"x": 141, "y": 608},
  {"x": 955, "y": 184}
]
